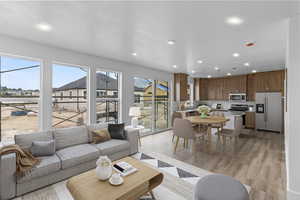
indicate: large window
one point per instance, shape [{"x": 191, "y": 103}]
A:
[
  {"x": 152, "y": 96},
  {"x": 69, "y": 96},
  {"x": 19, "y": 96},
  {"x": 107, "y": 96}
]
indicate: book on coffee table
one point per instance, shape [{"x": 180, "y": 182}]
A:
[{"x": 124, "y": 168}]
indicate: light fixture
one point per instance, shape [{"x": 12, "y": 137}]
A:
[
  {"x": 193, "y": 71},
  {"x": 236, "y": 55},
  {"x": 209, "y": 76},
  {"x": 174, "y": 66},
  {"x": 171, "y": 42},
  {"x": 234, "y": 20},
  {"x": 254, "y": 71},
  {"x": 134, "y": 54},
  {"x": 43, "y": 27},
  {"x": 228, "y": 74},
  {"x": 217, "y": 68},
  {"x": 247, "y": 64},
  {"x": 199, "y": 61}
]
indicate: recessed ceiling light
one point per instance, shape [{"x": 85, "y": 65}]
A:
[
  {"x": 44, "y": 27},
  {"x": 228, "y": 74},
  {"x": 171, "y": 42},
  {"x": 254, "y": 71},
  {"x": 193, "y": 71},
  {"x": 209, "y": 76},
  {"x": 234, "y": 20},
  {"x": 234, "y": 68},
  {"x": 134, "y": 54},
  {"x": 199, "y": 61},
  {"x": 217, "y": 68},
  {"x": 247, "y": 64},
  {"x": 174, "y": 66},
  {"x": 236, "y": 55}
]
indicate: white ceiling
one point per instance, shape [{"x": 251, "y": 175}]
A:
[{"x": 117, "y": 29}]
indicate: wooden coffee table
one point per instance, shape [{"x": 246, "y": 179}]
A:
[{"x": 87, "y": 186}]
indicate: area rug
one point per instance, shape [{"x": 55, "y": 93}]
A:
[
  {"x": 179, "y": 177},
  {"x": 178, "y": 183}
]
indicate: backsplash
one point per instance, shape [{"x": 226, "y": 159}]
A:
[{"x": 225, "y": 104}]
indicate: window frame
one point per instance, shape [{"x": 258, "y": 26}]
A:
[{"x": 119, "y": 98}]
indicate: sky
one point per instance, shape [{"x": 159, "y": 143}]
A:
[{"x": 30, "y": 78}]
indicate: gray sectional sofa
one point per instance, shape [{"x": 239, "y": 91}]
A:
[{"x": 74, "y": 154}]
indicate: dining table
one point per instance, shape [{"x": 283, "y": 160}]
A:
[{"x": 208, "y": 121}]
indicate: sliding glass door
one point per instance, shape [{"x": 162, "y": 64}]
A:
[
  {"x": 143, "y": 98},
  {"x": 161, "y": 102},
  {"x": 152, "y": 96}
]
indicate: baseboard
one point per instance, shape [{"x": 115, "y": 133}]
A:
[{"x": 292, "y": 195}]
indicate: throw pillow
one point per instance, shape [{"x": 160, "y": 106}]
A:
[
  {"x": 43, "y": 148},
  {"x": 100, "y": 135},
  {"x": 117, "y": 131}
]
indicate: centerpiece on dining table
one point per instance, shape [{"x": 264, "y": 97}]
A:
[{"x": 203, "y": 110}]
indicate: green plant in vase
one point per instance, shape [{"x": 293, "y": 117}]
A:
[{"x": 203, "y": 110}]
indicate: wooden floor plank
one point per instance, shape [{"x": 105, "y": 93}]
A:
[{"x": 257, "y": 160}]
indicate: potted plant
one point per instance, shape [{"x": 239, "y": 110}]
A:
[{"x": 203, "y": 110}]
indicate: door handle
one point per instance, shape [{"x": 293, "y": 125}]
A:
[
  {"x": 266, "y": 113},
  {"x": 265, "y": 109}
]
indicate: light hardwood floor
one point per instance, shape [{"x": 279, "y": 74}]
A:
[{"x": 257, "y": 160}]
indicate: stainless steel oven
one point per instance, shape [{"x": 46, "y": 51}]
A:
[{"x": 237, "y": 97}]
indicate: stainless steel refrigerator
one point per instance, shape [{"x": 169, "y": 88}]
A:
[{"x": 269, "y": 111}]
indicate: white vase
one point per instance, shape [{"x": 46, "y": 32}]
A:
[{"x": 104, "y": 168}]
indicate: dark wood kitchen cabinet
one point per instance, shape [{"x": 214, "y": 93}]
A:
[
  {"x": 250, "y": 120},
  {"x": 220, "y": 88},
  {"x": 180, "y": 87},
  {"x": 250, "y": 87},
  {"x": 203, "y": 89},
  {"x": 269, "y": 81}
]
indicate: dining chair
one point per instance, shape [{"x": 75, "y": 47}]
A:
[
  {"x": 174, "y": 116},
  {"x": 218, "y": 126},
  {"x": 233, "y": 133},
  {"x": 183, "y": 128}
]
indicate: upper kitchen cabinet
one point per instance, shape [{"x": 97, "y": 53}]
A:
[
  {"x": 269, "y": 81},
  {"x": 180, "y": 87},
  {"x": 220, "y": 88},
  {"x": 236, "y": 84},
  {"x": 250, "y": 87},
  {"x": 203, "y": 85}
]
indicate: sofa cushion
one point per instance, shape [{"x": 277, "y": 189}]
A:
[
  {"x": 100, "y": 135},
  {"x": 117, "y": 131},
  {"x": 48, "y": 165},
  {"x": 25, "y": 140},
  {"x": 75, "y": 155},
  {"x": 112, "y": 146},
  {"x": 43, "y": 148},
  {"x": 93, "y": 127},
  {"x": 66, "y": 137}
]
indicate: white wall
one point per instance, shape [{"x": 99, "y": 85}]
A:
[
  {"x": 292, "y": 140},
  {"x": 48, "y": 55}
]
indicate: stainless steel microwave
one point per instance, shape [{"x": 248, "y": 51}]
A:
[{"x": 237, "y": 97}]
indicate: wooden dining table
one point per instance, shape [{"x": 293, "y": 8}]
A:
[{"x": 208, "y": 121}]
